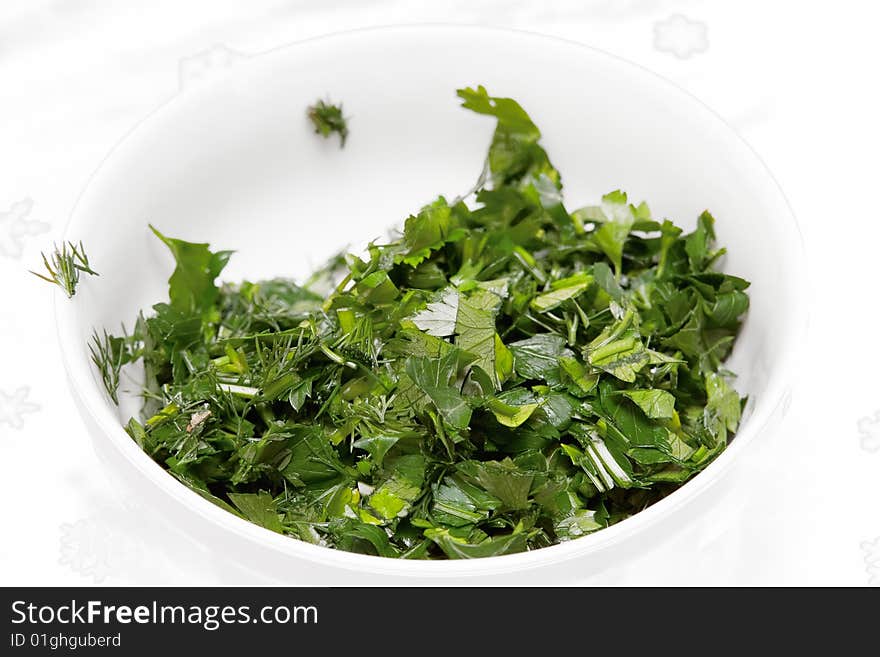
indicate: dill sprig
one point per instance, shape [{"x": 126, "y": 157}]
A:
[
  {"x": 65, "y": 266},
  {"x": 109, "y": 354},
  {"x": 327, "y": 119}
]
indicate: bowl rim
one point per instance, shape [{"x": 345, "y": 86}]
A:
[{"x": 93, "y": 406}]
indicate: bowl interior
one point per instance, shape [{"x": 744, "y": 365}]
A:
[{"x": 234, "y": 162}]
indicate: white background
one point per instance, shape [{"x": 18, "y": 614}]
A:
[{"x": 797, "y": 80}]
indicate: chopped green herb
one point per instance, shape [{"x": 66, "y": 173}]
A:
[
  {"x": 107, "y": 355},
  {"x": 64, "y": 267},
  {"x": 505, "y": 375},
  {"x": 327, "y": 119}
]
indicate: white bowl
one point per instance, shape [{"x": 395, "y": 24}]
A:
[{"x": 233, "y": 161}]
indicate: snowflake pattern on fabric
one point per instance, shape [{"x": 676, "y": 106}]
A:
[
  {"x": 14, "y": 406},
  {"x": 869, "y": 433},
  {"x": 91, "y": 548},
  {"x": 15, "y": 226},
  {"x": 680, "y": 36},
  {"x": 872, "y": 560}
]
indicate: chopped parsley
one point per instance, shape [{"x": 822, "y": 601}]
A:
[
  {"x": 327, "y": 118},
  {"x": 504, "y": 375}
]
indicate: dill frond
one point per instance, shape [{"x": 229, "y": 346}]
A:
[{"x": 64, "y": 266}]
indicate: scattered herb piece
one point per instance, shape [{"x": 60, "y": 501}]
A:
[
  {"x": 327, "y": 119},
  {"x": 65, "y": 265},
  {"x": 504, "y": 376}
]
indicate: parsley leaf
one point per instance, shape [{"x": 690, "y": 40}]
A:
[{"x": 327, "y": 118}]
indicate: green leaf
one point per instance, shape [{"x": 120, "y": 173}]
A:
[
  {"x": 669, "y": 234},
  {"x": 621, "y": 355},
  {"x": 579, "y": 523},
  {"x": 557, "y": 408},
  {"x": 515, "y": 157},
  {"x": 439, "y": 318},
  {"x": 606, "y": 281},
  {"x": 459, "y": 548},
  {"x": 511, "y": 414},
  {"x": 457, "y": 503},
  {"x": 503, "y": 360},
  {"x": 191, "y": 287},
  {"x": 429, "y": 230},
  {"x": 654, "y": 403},
  {"x": 503, "y": 480},
  {"x": 603, "y": 468},
  {"x": 634, "y": 426},
  {"x": 475, "y": 329},
  {"x": 434, "y": 376},
  {"x": 299, "y": 393},
  {"x": 376, "y": 446},
  {"x": 351, "y": 530},
  {"x": 377, "y": 289},
  {"x": 394, "y": 497},
  {"x": 327, "y": 118},
  {"x": 259, "y": 508},
  {"x": 611, "y": 236},
  {"x": 561, "y": 291},
  {"x": 698, "y": 244},
  {"x": 512, "y": 118},
  {"x": 538, "y": 357},
  {"x": 581, "y": 379},
  {"x": 723, "y": 411},
  {"x": 312, "y": 458},
  {"x": 726, "y": 310},
  {"x": 412, "y": 341}
]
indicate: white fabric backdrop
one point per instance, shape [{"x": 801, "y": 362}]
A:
[{"x": 797, "y": 80}]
